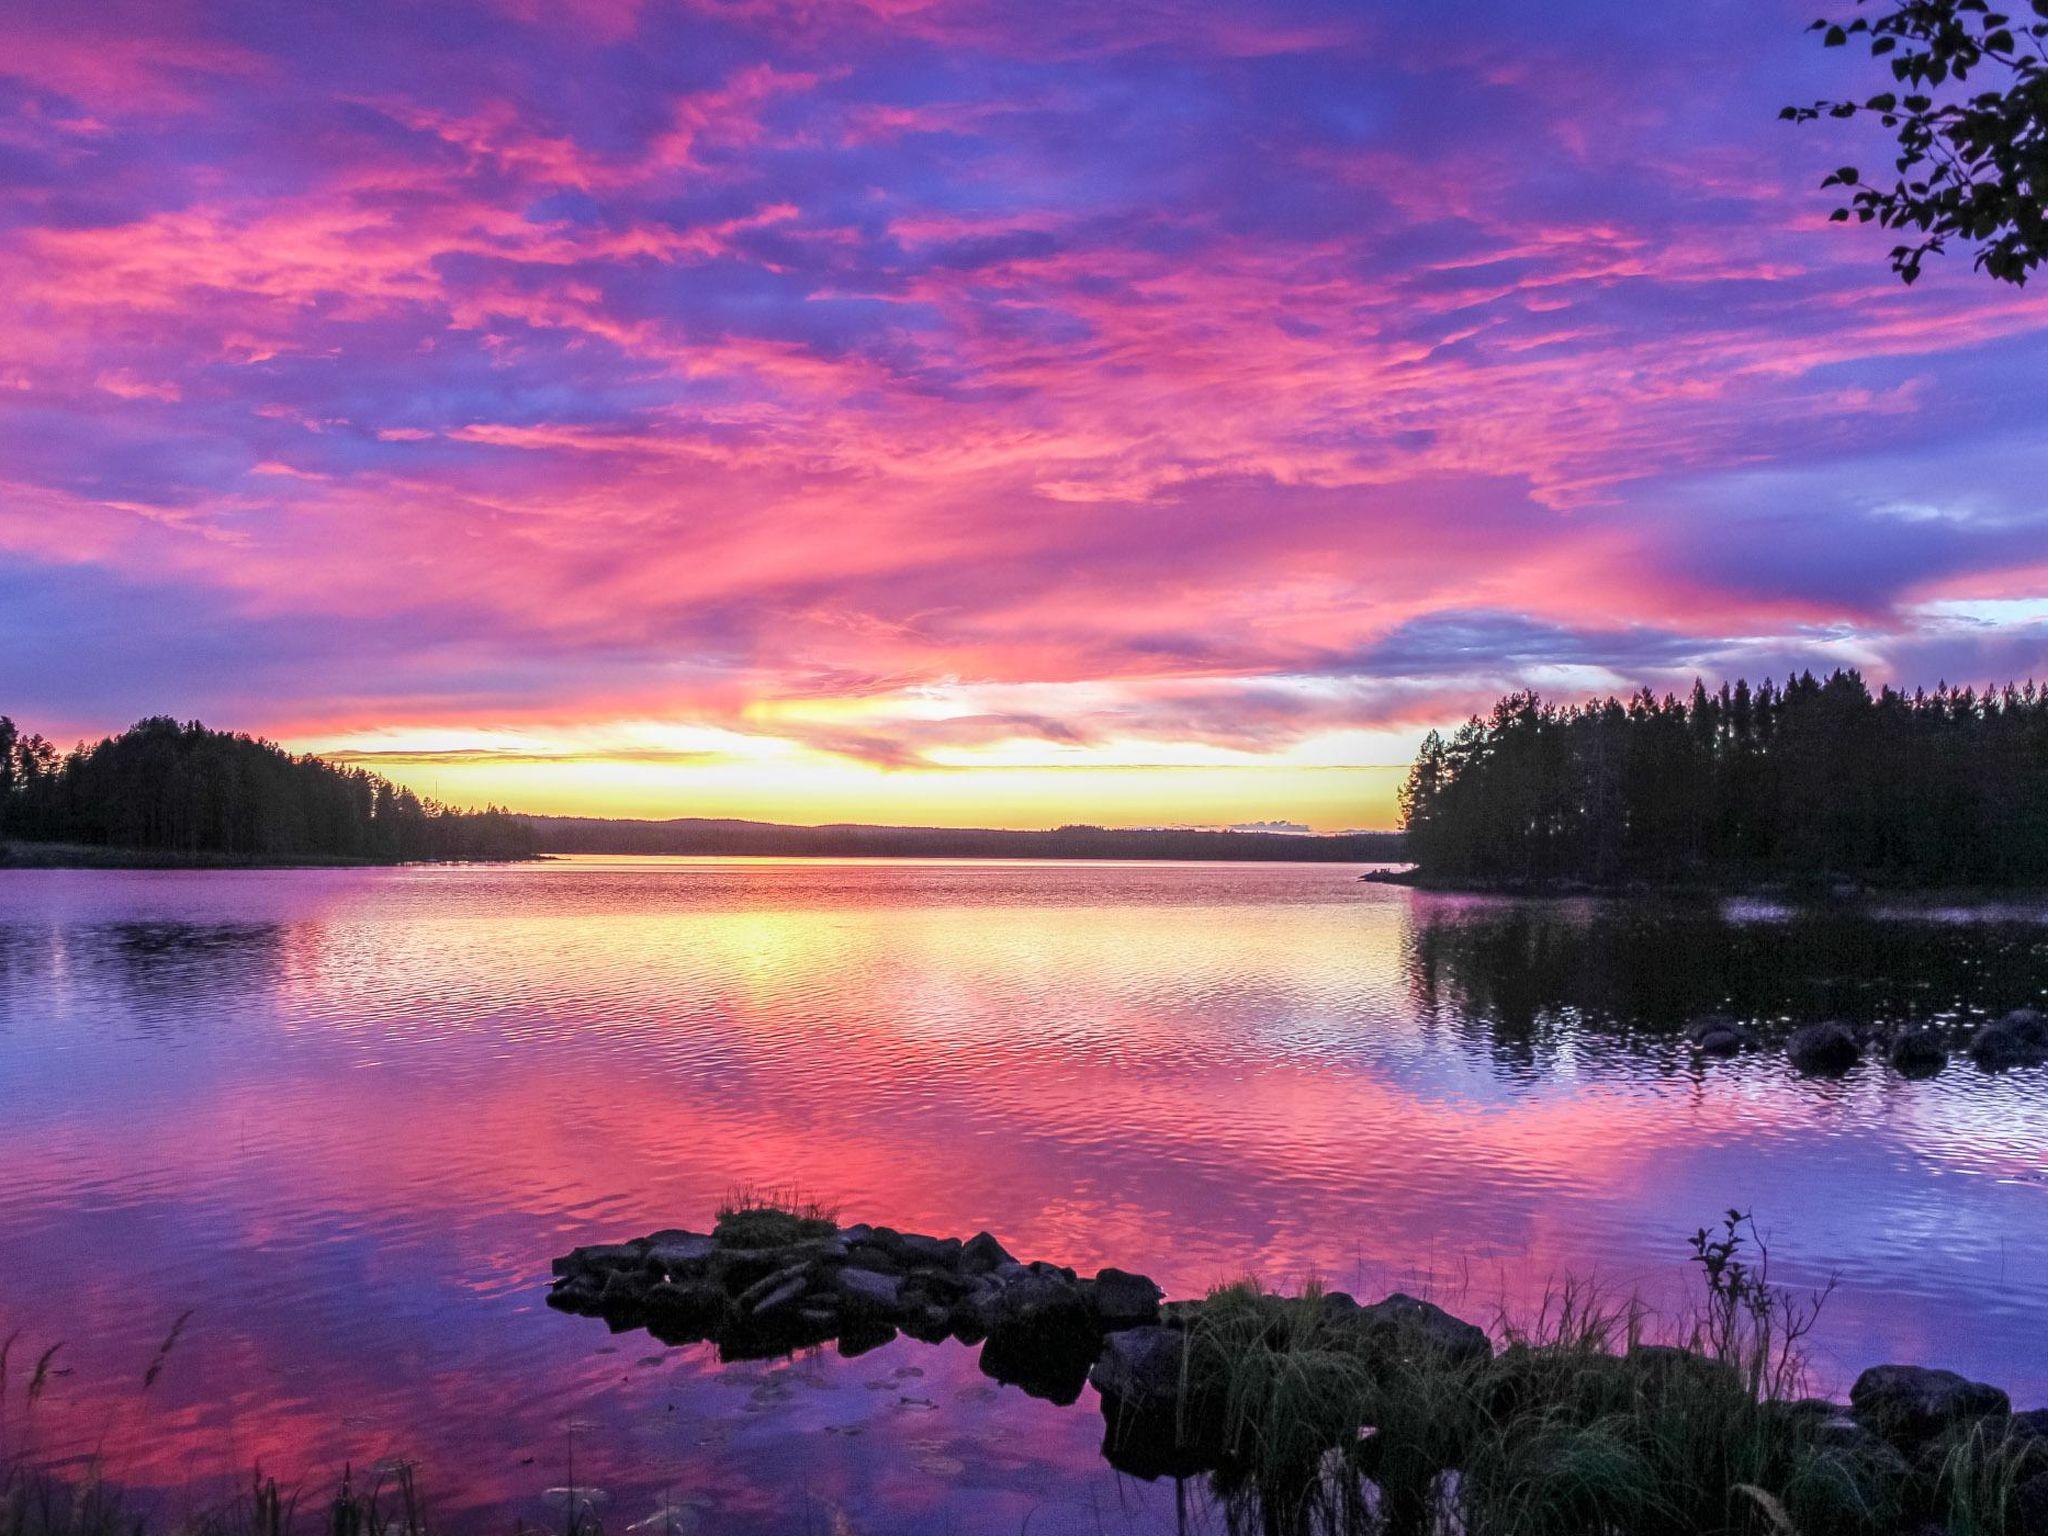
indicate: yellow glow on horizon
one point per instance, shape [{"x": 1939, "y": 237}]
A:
[{"x": 654, "y": 771}]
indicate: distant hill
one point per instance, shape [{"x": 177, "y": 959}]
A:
[{"x": 697, "y": 835}]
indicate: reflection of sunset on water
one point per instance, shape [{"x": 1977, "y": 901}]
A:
[{"x": 348, "y": 1116}]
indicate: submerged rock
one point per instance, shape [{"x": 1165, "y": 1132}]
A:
[
  {"x": 1715, "y": 1034},
  {"x": 1909, "y": 1404},
  {"x": 1918, "y": 1051},
  {"x": 2020, "y": 1039},
  {"x": 1823, "y": 1050}
]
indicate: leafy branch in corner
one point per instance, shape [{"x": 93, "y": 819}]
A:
[{"x": 1969, "y": 110}]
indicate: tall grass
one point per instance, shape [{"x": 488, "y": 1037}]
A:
[{"x": 1577, "y": 1427}]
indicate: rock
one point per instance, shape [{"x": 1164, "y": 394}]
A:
[
  {"x": 944, "y": 1252},
  {"x": 1042, "y": 1336},
  {"x": 2014, "y": 1041},
  {"x": 680, "y": 1253},
  {"x": 939, "y": 1286},
  {"x": 580, "y": 1292},
  {"x": 680, "y": 1311},
  {"x": 1124, "y": 1300},
  {"x": 785, "y": 1285},
  {"x": 1663, "y": 1363},
  {"x": 858, "y": 1337},
  {"x": 880, "y": 1260},
  {"x": 603, "y": 1256},
  {"x": 1918, "y": 1051},
  {"x": 771, "y": 1302},
  {"x": 2029, "y": 1024},
  {"x": 1151, "y": 1426},
  {"x": 1823, "y": 1050},
  {"x": 981, "y": 1254},
  {"x": 1908, "y": 1404},
  {"x": 868, "y": 1293},
  {"x": 1142, "y": 1366},
  {"x": 625, "y": 1294},
  {"x": 1410, "y": 1326},
  {"x": 1715, "y": 1034}
]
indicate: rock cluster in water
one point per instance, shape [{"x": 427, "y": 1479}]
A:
[
  {"x": 1829, "y": 1049},
  {"x": 766, "y": 1283}
]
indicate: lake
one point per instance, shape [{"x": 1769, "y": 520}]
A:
[{"x": 345, "y": 1118}]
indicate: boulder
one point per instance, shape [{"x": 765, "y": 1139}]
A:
[
  {"x": 871, "y": 1257},
  {"x": 981, "y": 1254},
  {"x": 941, "y": 1252},
  {"x": 685, "y": 1310},
  {"x": 1043, "y": 1336},
  {"x": 2029, "y": 1024},
  {"x": 1918, "y": 1051},
  {"x": 937, "y": 1286},
  {"x": 2017, "y": 1040},
  {"x": 1715, "y": 1034},
  {"x": 1411, "y": 1327},
  {"x": 603, "y": 1256},
  {"x": 1823, "y": 1050},
  {"x": 1141, "y": 1366},
  {"x": 679, "y": 1253},
  {"x": 1663, "y": 1364},
  {"x": 1910, "y": 1404},
  {"x": 1124, "y": 1300},
  {"x": 625, "y": 1294},
  {"x": 1150, "y": 1428},
  {"x": 868, "y": 1293},
  {"x": 580, "y": 1292},
  {"x": 775, "y": 1290}
]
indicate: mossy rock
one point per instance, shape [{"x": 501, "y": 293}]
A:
[{"x": 767, "y": 1227}]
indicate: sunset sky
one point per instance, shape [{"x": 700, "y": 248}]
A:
[{"x": 961, "y": 412}]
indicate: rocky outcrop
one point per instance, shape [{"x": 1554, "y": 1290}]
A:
[
  {"x": 1823, "y": 1050},
  {"x": 1171, "y": 1375},
  {"x": 765, "y": 1283}
]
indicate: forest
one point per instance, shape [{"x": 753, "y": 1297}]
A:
[
  {"x": 1809, "y": 781},
  {"x": 166, "y": 787}
]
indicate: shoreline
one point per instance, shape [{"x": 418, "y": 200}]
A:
[
  {"x": 26, "y": 855},
  {"x": 1817, "y": 891}
]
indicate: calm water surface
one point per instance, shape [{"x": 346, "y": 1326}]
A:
[{"x": 345, "y": 1118}]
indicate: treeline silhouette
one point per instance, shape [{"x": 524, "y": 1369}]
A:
[
  {"x": 730, "y": 838},
  {"x": 167, "y": 787},
  {"x": 1811, "y": 780}
]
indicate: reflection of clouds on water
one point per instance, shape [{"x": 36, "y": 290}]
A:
[{"x": 349, "y": 1117}]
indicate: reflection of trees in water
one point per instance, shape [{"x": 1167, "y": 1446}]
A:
[
  {"x": 1515, "y": 969},
  {"x": 155, "y": 963}
]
